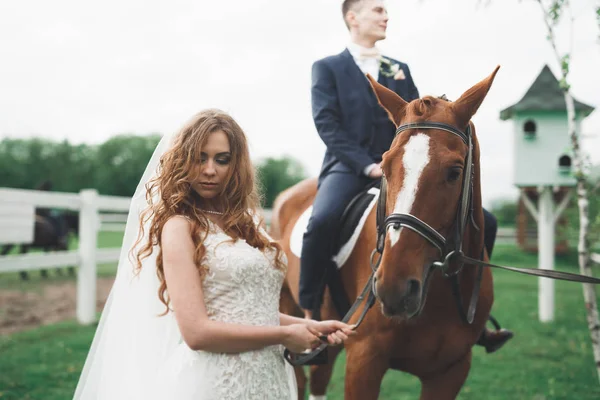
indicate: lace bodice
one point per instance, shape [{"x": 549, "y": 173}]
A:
[{"x": 243, "y": 286}]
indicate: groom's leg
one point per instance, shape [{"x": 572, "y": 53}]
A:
[
  {"x": 335, "y": 191},
  {"x": 490, "y": 229}
]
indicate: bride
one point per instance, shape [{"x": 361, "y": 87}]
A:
[{"x": 194, "y": 310}]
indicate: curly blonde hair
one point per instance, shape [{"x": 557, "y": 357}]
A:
[{"x": 172, "y": 189}]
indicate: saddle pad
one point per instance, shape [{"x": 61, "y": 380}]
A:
[{"x": 354, "y": 219}]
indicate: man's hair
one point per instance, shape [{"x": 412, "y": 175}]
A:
[{"x": 348, "y": 5}]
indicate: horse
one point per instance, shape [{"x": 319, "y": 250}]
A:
[
  {"x": 417, "y": 324},
  {"x": 51, "y": 233}
]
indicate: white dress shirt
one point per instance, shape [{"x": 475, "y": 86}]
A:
[{"x": 368, "y": 60}]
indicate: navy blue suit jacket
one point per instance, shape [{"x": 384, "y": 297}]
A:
[{"x": 343, "y": 108}]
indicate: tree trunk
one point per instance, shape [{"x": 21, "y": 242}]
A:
[
  {"x": 585, "y": 265},
  {"x": 583, "y": 248}
]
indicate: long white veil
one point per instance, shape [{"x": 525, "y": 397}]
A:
[{"x": 131, "y": 340}]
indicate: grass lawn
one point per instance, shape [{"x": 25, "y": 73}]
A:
[{"x": 550, "y": 361}]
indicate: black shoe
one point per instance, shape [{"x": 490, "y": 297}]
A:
[{"x": 494, "y": 340}]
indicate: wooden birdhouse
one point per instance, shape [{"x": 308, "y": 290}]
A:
[
  {"x": 543, "y": 172},
  {"x": 542, "y": 147}
]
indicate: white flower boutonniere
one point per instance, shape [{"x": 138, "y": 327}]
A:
[{"x": 391, "y": 69}]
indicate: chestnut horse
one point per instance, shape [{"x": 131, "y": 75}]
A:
[{"x": 424, "y": 170}]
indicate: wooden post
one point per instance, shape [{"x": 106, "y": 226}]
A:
[
  {"x": 546, "y": 219},
  {"x": 88, "y": 238}
]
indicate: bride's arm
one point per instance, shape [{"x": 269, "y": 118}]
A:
[
  {"x": 285, "y": 319},
  {"x": 187, "y": 300}
]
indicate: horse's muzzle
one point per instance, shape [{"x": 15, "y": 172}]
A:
[{"x": 402, "y": 299}]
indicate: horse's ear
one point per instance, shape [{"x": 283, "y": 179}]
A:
[
  {"x": 389, "y": 100},
  {"x": 466, "y": 106}
]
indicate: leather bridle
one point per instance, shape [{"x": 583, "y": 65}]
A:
[{"x": 448, "y": 250}]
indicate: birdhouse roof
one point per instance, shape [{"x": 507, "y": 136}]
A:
[{"x": 544, "y": 95}]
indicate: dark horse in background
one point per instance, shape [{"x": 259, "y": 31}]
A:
[{"x": 51, "y": 232}]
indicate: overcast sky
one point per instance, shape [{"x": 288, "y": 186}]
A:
[{"x": 85, "y": 71}]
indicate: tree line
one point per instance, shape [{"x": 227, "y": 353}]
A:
[{"x": 113, "y": 167}]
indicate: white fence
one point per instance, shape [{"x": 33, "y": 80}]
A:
[
  {"x": 89, "y": 205},
  {"x": 96, "y": 213}
]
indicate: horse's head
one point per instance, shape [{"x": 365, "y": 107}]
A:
[{"x": 425, "y": 171}]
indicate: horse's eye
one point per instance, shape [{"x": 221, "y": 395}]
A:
[{"x": 453, "y": 174}]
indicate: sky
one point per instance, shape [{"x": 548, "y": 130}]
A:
[{"x": 86, "y": 71}]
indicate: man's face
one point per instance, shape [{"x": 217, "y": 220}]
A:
[{"x": 369, "y": 19}]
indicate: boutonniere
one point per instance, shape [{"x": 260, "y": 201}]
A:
[{"x": 389, "y": 69}]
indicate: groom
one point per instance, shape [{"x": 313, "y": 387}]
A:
[{"x": 356, "y": 131}]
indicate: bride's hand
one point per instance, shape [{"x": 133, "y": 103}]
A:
[
  {"x": 337, "y": 332},
  {"x": 299, "y": 337}
]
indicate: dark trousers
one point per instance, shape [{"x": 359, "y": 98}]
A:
[
  {"x": 335, "y": 192},
  {"x": 489, "y": 231}
]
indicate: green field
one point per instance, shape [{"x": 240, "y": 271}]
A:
[{"x": 550, "y": 361}]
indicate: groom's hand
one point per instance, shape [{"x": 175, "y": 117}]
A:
[{"x": 376, "y": 172}]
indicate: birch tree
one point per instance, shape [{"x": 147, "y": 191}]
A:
[{"x": 552, "y": 12}]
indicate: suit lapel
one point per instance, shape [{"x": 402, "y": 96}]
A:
[
  {"x": 357, "y": 76},
  {"x": 388, "y": 82},
  {"x": 350, "y": 66}
]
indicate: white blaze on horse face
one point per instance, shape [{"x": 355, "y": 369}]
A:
[{"x": 415, "y": 159}]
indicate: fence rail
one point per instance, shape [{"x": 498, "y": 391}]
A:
[
  {"x": 97, "y": 213},
  {"x": 89, "y": 205}
]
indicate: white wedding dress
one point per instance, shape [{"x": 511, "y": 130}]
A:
[
  {"x": 136, "y": 355},
  {"x": 242, "y": 287}
]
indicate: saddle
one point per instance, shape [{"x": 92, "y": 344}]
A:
[{"x": 352, "y": 222}]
